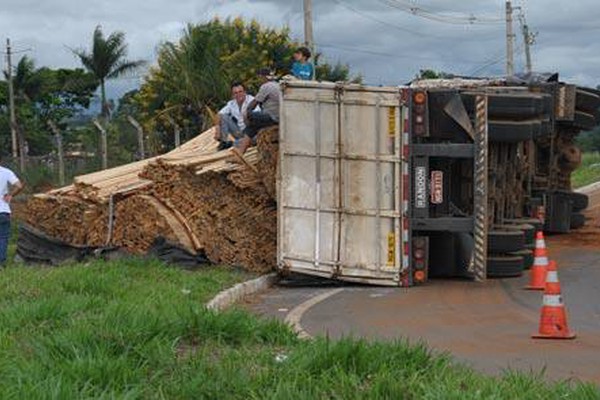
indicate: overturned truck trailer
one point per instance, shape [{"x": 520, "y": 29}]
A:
[{"x": 392, "y": 186}]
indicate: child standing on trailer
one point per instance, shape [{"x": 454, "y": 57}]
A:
[{"x": 302, "y": 68}]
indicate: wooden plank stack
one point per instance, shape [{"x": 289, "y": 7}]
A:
[{"x": 195, "y": 196}]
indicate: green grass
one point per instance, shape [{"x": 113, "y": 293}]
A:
[
  {"x": 136, "y": 329},
  {"x": 588, "y": 172}
]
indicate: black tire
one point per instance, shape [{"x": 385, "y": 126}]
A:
[
  {"x": 513, "y": 132},
  {"x": 536, "y": 223},
  {"x": 511, "y": 105},
  {"x": 505, "y": 266},
  {"x": 585, "y": 120},
  {"x": 580, "y": 201},
  {"x": 587, "y": 101},
  {"x": 528, "y": 231},
  {"x": 577, "y": 220},
  {"x": 528, "y": 257},
  {"x": 505, "y": 241}
]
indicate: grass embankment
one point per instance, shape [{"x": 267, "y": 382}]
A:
[
  {"x": 137, "y": 329},
  {"x": 588, "y": 172}
]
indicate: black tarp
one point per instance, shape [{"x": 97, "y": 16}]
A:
[
  {"x": 35, "y": 247},
  {"x": 170, "y": 253}
]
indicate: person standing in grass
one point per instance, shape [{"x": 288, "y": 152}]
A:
[
  {"x": 302, "y": 68},
  {"x": 10, "y": 186}
]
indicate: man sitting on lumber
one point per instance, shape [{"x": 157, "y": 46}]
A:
[
  {"x": 230, "y": 119},
  {"x": 268, "y": 97}
]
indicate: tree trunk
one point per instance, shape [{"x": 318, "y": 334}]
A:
[
  {"x": 104, "y": 108},
  {"x": 104, "y": 119}
]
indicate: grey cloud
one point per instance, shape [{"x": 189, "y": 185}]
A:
[{"x": 345, "y": 30}]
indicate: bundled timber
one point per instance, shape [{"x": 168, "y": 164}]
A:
[{"x": 204, "y": 200}]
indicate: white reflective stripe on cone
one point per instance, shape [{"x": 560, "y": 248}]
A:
[
  {"x": 540, "y": 244},
  {"x": 552, "y": 277},
  {"x": 540, "y": 261},
  {"x": 553, "y": 300}
]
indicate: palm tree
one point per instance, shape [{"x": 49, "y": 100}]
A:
[
  {"x": 107, "y": 60},
  {"x": 26, "y": 82}
]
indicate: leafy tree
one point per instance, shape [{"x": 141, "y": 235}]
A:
[
  {"x": 107, "y": 60},
  {"x": 192, "y": 77},
  {"x": 336, "y": 73},
  {"x": 42, "y": 94},
  {"x": 431, "y": 74}
]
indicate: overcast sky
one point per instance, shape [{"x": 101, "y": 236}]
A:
[{"x": 385, "y": 44}]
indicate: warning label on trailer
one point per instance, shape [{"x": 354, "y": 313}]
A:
[
  {"x": 392, "y": 121},
  {"x": 391, "y": 258}
]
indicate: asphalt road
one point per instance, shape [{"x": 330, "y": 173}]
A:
[{"x": 486, "y": 326}]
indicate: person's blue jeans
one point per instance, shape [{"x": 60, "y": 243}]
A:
[{"x": 4, "y": 236}]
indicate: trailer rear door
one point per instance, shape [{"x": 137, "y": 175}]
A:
[{"x": 340, "y": 192}]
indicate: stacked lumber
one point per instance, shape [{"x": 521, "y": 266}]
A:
[
  {"x": 204, "y": 200},
  {"x": 65, "y": 217}
]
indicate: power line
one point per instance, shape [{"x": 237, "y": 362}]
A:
[
  {"x": 397, "y": 56},
  {"x": 413, "y": 9},
  {"x": 492, "y": 62},
  {"x": 398, "y": 27}
]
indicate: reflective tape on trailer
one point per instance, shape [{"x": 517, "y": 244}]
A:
[{"x": 405, "y": 191}]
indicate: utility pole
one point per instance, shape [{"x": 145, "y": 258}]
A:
[
  {"x": 528, "y": 40},
  {"x": 11, "y": 102},
  {"x": 309, "y": 39},
  {"x": 510, "y": 37}
]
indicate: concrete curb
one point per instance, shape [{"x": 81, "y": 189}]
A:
[
  {"x": 230, "y": 296},
  {"x": 589, "y": 188}
]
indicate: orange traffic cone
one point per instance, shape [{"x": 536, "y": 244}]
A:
[
  {"x": 553, "y": 321},
  {"x": 540, "y": 263}
]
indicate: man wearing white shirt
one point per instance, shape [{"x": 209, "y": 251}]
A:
[
  {"x": 10, "y": 186},
  {"x": 230, "y": 119}
]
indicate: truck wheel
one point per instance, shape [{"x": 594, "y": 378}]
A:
[
  {"x": 577, "y": 220},
  {"x": 513, "y": 132},
  {"x": 528, "y": 231},
  {"x": 536, "y": 223},
  {"x": 511, "y": 106},
  {"x": 528, "y": 257},
  {"x": 584, "y": 120},
  {"x": 587, "y": 101},
  {"x": 504, "y": 266},
  {"x": 580, "y": 201},
  {"x": 505, "y": 241}
]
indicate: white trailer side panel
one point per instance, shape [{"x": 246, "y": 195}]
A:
[{"x": 340, "y": 182}]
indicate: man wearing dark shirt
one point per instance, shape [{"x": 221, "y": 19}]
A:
[{"x": 268, "y": 97}]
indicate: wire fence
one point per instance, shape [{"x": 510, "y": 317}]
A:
[{"x": 42, "y": 173}]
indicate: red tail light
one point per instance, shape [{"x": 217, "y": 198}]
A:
[
  {"x": 420, "y": 123},
  {"x": 420, "y": 249}
]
